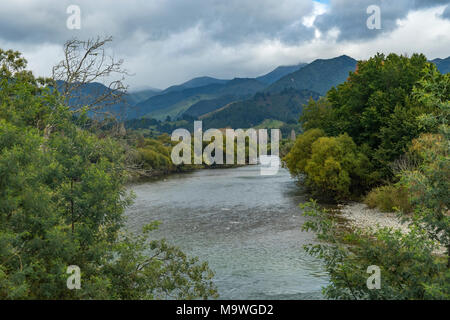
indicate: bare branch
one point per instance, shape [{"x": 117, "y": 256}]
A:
[{"x": 86, "y": 62}]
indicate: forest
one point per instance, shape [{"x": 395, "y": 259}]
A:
[{"x": 381, "y": 137}]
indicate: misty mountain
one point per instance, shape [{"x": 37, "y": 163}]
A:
[
  {"x": 319, "y": 76},
  {"x": 285, "y": 106},
  {"x": 278, "y": 73},
  {"x": 141, "y": 95},
  {"x": 194, "y": 83},
  {"x": 174, "y": 103},
  {"x": 443, "y": 65},
  {"x": 206, "y": 106}
]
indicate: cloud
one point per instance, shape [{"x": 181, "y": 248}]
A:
[
  {"x": 446, "y": 13},
  {"x": 230, "y": 21},
  {"x": 175, "y": 29},
  {"x": 164, "y": 42},
  {"x": 350, "y": 17}
]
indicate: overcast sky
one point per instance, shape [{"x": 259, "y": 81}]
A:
[{"x": 165, "y": 42}]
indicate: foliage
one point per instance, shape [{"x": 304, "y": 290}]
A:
[
  {"x": 375, "y": 107},
  {"x": 408, "y": 267},
  {"x": 62, "y": 199},
  {"x": 300, "y": 153},
  {"x": 333, "y": 165},
  {"x": 389, "y": 198},
  {"x": 429, "y": 183},
  {"x": 316, "y": 114}
]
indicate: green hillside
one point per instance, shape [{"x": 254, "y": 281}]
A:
[
  {"x": 284, "y": 106},
  {"x": 318, "y": 76},
  {"x": 174, "y": 103},
  {"x": 205, "y": 106},
  {"x": 443, "y": 65}
]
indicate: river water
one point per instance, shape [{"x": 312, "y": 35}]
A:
[{"x": 247, "y": 226}]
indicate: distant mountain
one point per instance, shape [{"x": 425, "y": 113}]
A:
[
  {"x": 319, "y": 76},
  {"x": 206, "y": 106},
  {"x": 284, "y": 89},
  {"x": 284, "y": 106},
  {"x": 194, "y": 83},
  {"x": 278, "y": 73},
  {"x": 443, "y": 65},
  {"x": 174, "y": 103},
  {"x": 141, "y": 95},
  {"x": 89, "y": 94}
]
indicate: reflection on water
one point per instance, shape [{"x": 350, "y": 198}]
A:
[{"x": 245, "y": 225}]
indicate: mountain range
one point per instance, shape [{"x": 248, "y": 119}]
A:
[{"x": 242, "y": 102}]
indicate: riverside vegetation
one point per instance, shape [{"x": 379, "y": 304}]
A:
[
  {"x": 62, "y": 199},
  {"x": 382, "y": 135},
  {"x": 383, "y": 132}
]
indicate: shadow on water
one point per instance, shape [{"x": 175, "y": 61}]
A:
[{"x": 246, "y": 226}]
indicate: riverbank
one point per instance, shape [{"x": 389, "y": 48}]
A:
[{"x": 360, "y": 216}]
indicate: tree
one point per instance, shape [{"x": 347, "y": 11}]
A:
[
  {"x": 429, "y": 182},
  {"x": 333, "y": 165},
  {"x": 300, "y": 153},
  {"x": 408, "y": 266},
  {"x": 337, "y": 167},
  {"x": 86, "y": 62},
  {"x": 375, "y": 107},
  {"x": 62, "y": 199},
  {"x": 411, "y": 267}
]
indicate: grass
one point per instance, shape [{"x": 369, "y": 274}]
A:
[{"x": 389, "y": 198}]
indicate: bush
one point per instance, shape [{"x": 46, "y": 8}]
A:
[
  {"x": 334, "y": 166},
  {"x": 388, "y": 198},
  {"x": 408, "y": 266},
  {"x": 300, "y": 153},
  {"x": 337, "y": 167}
]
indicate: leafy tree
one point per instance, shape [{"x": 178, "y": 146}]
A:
[
  {"x": 300, "y": 153},
  {"x": 411, "y": 267},
  {"x": 62, "y": 198},
  {"x": 375, "y": 107},
  {"x": 317, "y": 114},
  {"x": 337, "y": 167},
  {"x": 429, "y": 183},
  {"x": 408, "y": 266},
  {"x": 333, "y": 165}
]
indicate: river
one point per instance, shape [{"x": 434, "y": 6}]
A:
[{"x": 247, "y": 226}]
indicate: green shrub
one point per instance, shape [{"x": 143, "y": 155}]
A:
[
  {"x": 337, "y": 167},
  {"x": 388, "y": 198},
  {"x": 300, "y": 153}
]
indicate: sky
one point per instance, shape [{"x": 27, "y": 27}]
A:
[{"x": 166, "y": 42}]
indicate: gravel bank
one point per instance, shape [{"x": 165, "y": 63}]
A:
[{"x": 362, "y": 217}]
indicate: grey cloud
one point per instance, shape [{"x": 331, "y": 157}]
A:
[
  {"x": 446, "y": 13},
  {"x": 350, "y": 16},
  {"x": 227, "y": 22}
]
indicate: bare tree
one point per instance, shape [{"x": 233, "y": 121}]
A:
[{"x": 87, "y": 62}]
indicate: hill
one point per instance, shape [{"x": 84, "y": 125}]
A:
[
  {"x": 319, "y": 76},
  {"x": 207, "y": 106},
  {"x": 285, "y": 106},
  {"x": 442, "y": 64},
  {"x": 89, "y": 93},
  {"x": 194, "y": 83},
  {"x": 141, "y": 95},
  {"x": 278, "y": 73},
  {"x": 176, "y": 102}
]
